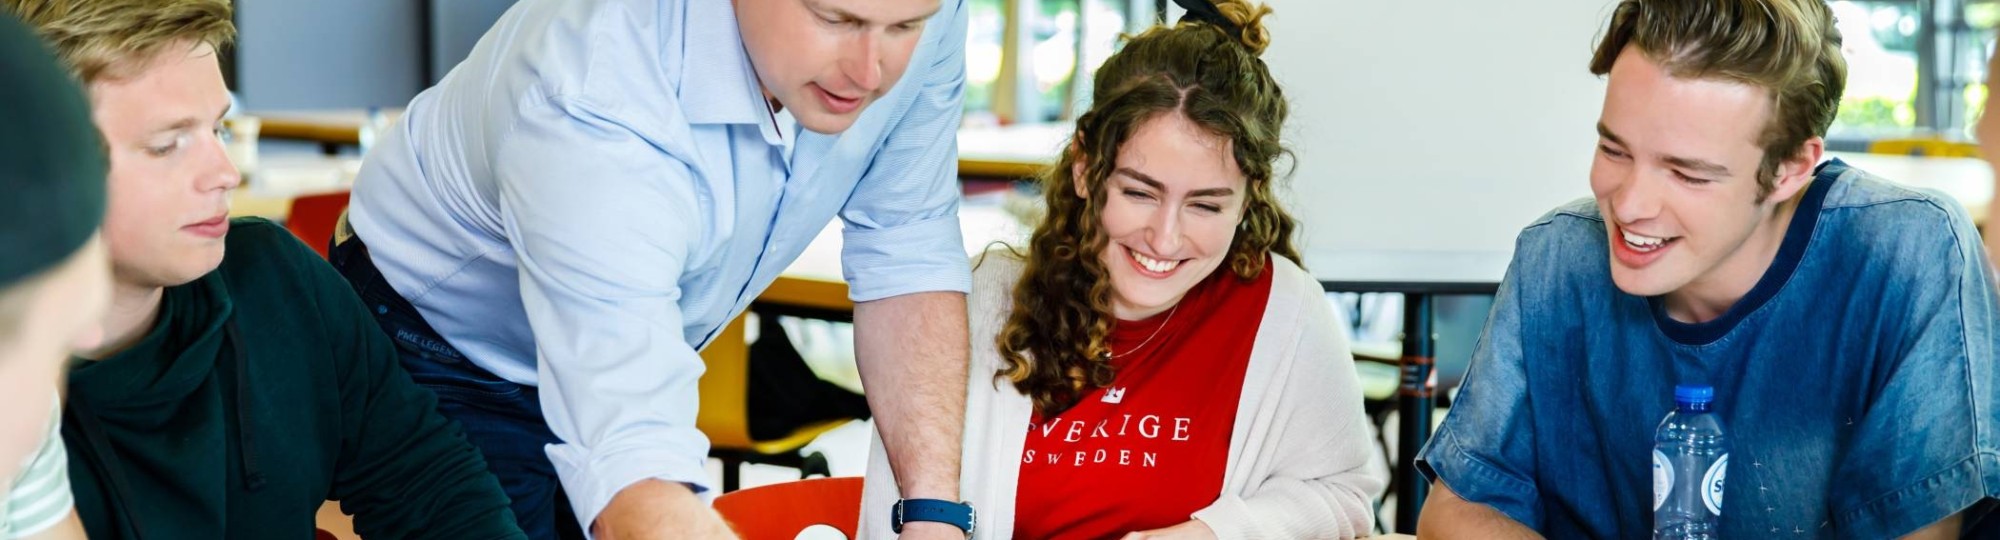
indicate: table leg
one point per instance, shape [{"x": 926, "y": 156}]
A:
[{"x": 1415, "y": 404}]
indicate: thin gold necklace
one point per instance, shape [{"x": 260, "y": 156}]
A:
[{"x": 1149, "y": 339}]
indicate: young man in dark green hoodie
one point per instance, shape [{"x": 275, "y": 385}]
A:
[{"x": 232, "y": 394}]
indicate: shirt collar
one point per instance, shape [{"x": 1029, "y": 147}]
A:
[
  {"x": 717, "y": 84},
  {"x": 1791, "y": 251}
]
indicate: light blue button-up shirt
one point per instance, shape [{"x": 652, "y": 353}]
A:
[{"x": 599, "y": 188}]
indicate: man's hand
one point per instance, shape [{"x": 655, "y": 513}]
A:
[
  {"x": 654, "y": 509},
  {"x": 1193, "y": 529}
]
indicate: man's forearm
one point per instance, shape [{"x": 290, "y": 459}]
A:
[
  {"x": 913, "y": 352},
  {"x": 1448, "y": 517},
  {"x": 1949, "y": 527}
]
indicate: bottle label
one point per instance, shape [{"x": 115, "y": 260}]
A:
[
  {"x": 1711, "y": 484},
  {"x": 1663, "y": 479}
]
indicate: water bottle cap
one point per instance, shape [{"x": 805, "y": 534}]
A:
[{"x": 1694, "y": 393}]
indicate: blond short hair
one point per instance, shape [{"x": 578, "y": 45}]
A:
[
  {"x": 100, "y": 39},
  {"x": 1789, "y": 47}
]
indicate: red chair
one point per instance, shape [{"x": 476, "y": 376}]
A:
[
  {"x": 312, "y": 218},
  {"x": 780, "y": 511}
]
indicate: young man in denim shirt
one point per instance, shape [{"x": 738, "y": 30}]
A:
[{"x": 1846, "y": 322}]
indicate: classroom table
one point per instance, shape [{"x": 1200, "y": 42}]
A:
[
  {"x": 338, "y": 127},
  {"x": 1020, "y": 151},
  {"x": 814, "y": 279}
]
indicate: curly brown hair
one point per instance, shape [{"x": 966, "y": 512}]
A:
[{"x": 1054, "y": 344}]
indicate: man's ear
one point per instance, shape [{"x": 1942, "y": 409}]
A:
[{"x": 1796, "y": 172}]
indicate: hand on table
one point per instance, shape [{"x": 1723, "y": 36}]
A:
[{"x": 653, "y": 509}]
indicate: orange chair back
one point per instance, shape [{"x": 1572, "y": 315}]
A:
[
  {"x": 313, "y": 216},
  {"x": 1924, "y": 148},
  {"x": 780, "y": 511}
]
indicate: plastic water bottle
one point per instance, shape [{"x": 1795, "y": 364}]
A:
[{"x": 1690, "y": 461}]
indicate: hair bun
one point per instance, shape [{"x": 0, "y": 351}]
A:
[{"x": 1249, "y": 19}]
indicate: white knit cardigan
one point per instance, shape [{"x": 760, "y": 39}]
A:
[{"x": 1302, "y": 458}]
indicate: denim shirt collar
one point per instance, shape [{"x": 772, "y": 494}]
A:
[{"x": 1792, "y": 250}]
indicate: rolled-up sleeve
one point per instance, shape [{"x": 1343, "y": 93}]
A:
[
  {"x": 1927, "y": 447},
  {"x": 602, "y": 222},
  {"x": 901, "y": 233},
  {"x": 1484, "y": 451}
]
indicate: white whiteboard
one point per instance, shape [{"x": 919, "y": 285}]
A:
[{"x": 1435, "y": 125}]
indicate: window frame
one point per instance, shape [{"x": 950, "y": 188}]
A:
[
  {"x": 1946, "y": 64},
  {"x": 1017, "y": 74}
]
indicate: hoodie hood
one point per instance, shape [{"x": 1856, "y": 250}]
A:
[{"x": 179, "y": 379}]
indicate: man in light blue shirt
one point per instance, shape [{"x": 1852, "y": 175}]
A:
[{"x": 555, "y": 229}]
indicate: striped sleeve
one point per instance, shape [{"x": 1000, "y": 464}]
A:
[{"x": 40, "y": 497}]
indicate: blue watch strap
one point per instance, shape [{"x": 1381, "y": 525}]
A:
[{"x": 956, "y": 514}]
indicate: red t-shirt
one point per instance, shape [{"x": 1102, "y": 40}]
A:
[{"x": 1151, "y": 449}]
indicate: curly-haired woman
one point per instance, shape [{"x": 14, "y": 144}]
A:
[{"x": 1157, "y": 362}]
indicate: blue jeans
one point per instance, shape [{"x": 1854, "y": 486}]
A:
[{"x": 501, "y": 418}]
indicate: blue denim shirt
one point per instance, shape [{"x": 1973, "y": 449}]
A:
[{"x": 1856, "y": 379}]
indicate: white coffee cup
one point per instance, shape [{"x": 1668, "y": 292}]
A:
[{"x": 242, "y": 146}]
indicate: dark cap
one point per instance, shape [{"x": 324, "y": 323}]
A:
[{"x": 52, "y": 160}]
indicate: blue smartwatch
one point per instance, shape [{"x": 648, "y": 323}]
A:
[{"x": 956, "y": 514}]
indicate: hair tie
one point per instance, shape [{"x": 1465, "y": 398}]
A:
[{"x": 1205, "y": 11}]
